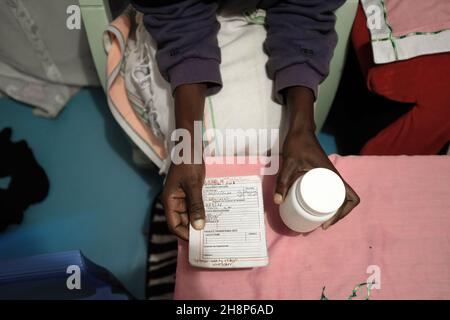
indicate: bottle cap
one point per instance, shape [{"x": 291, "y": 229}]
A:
[{"x": 321, "y": 191}]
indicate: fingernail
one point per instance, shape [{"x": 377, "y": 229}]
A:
[
  {"x": 278, "y": 198},
  {"x": 198, "y": 224}
]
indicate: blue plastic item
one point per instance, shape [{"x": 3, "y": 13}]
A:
[{"x": 65, "y": 275}]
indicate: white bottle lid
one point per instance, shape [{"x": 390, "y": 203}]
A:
[{"x": 321, "y": 192}]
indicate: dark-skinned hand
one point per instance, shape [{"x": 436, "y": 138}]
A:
[
  {"x": 182, "y": 192},
  {"x": 302, "y": 151},
  {"x": 182, "y": 198}
]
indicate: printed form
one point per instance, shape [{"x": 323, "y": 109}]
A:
[{"x": 234, "y": 235}]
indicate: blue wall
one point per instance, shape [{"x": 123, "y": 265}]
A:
[{"x": 98, "y": 201}]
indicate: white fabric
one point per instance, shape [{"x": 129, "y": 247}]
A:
[
  {"x": 245, "y": 101},
  {"x": 405, "y": 29},
  {"x": 42, "y": 62}
]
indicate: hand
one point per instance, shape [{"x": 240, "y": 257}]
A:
[
  {"x": 302, "y": 152},
  {"x": 182, "y": 198},
  {"x": 182, "y": 193}
]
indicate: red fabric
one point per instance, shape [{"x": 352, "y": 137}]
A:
[{"x": 424, "y": 81}]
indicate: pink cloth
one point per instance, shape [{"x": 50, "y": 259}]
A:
[
  {"x": 405, "y": 29},
  {"x": 410, "y": 16},
  {"x": 402, "y": 226}
]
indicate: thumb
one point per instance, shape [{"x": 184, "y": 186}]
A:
[
  {"x": 283, "y": 180},
  {"x": 194, "y": 202}
]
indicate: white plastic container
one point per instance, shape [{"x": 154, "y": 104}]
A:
[{"x": 313, "y": 199}]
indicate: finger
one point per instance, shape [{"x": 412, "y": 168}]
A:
[
  {"x": 182, "y": 232},
  {"x": 178, "y": 205},
  {"x": 283, "y": 179},
  {"x": 174, "y": 219},
  {"x": 289, "y": 173},
  {"x": 346, "y": 207},
  {"x": 175, "y": 204},
  {"x": 194, "y": 202},
  {"x": 178, "y": 193},
  {"x": 351, "y": 202},
  {"x": 184, "y": 218},
  {"x": 176, "y": 226}
]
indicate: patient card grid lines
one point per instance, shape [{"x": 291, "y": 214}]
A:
[{"x": 234, "y": 228}]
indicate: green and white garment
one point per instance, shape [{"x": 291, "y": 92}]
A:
[{"x": 391, "y": 43}]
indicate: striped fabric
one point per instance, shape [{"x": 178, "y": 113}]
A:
[{"x": 162, "y": 257}]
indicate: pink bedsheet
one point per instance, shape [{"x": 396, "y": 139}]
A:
[
  {"x": 410, "y": 16},
  {"x": 402, "y": 226}
]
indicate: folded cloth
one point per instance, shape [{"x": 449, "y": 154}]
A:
[
  {"x": 421, "y": 81},
  {"x": 404, "y": 29},
  {"x": 398, "y": 238},
  {"x": 43, "y": 62}
]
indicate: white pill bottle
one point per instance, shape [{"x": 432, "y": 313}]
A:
[{"x": 313, "y": 199}]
